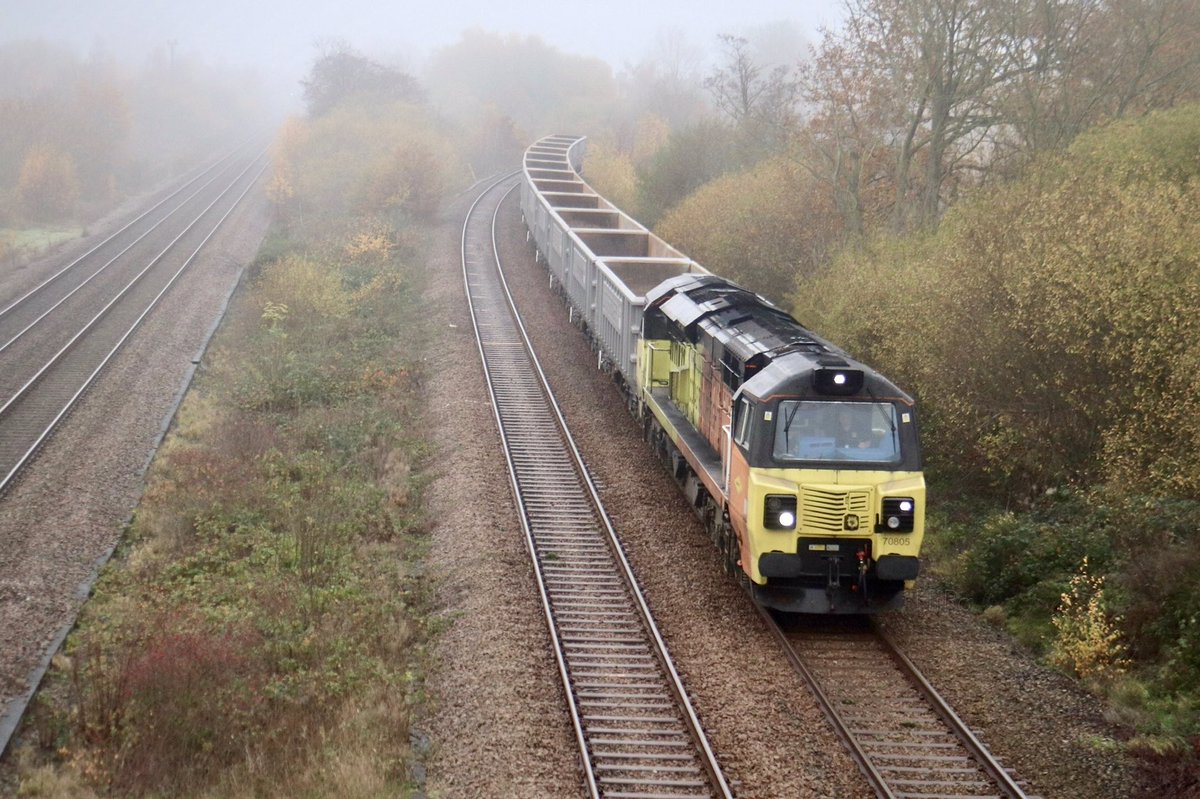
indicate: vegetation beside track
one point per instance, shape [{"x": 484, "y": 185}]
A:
[
  {"x": 78, "y": 133},
  {"x": 260, "y": 631},
  {"x": 1048, "y": 329}
]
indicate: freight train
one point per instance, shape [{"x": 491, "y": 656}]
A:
[{"x": 803, "y": 463}]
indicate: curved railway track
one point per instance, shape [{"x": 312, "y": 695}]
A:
[
  {"x": 57, "y": 337},
  {"x": 905, "y": 738},
  {"x": 638, "y": 734}
]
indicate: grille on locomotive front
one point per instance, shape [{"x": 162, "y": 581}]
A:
[{"x": 826, "y": 510}]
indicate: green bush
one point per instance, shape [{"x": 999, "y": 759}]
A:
[
  {"x": 1147, "y": 552},
  {"x": 1008, "y": 556}
]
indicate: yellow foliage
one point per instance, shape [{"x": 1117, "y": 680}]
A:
[
  {"x": 410, "y": 177},
  {"x": 296, "y": 288},
  {"x": 357, "y": 160},
  {"x": 48, "y": 186},
  {"x": 291, "y": 142},
  {"x": 762, "y": 228},
  {"x": 1047, "y": 327},
  {"x": 610, "y": 172},
  {"x": 280, "y": 189},
  {"x": 373, "y": 242},
  {"x": 1087, "y": 640},
  {"x": 652, "y": 135}
]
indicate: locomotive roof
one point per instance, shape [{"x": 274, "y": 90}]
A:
[
  {"x": 742, "y": 321},
  {"x": 792, "y": 376},
  {"x": 748, "y": 325}
]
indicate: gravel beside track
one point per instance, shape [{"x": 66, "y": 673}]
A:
[
  {"x": 498, "y": 717},
  {"x": 66, "y": 510},
  {"x": 1035, "y": 720}
]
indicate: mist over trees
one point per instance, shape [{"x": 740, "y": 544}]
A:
[
  {"x": 909, "y": 106},
  {"x": 78, "y": 133},
  {"x": 511, "y": 89},
  {"x": 340, "y": 74},
  {"x": 370, "y": 145},
  {"x": 930, "y": 98}
]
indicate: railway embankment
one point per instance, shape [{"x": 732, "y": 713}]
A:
[{"x": 256, "y": 631}]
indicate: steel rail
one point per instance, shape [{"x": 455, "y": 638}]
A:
[
  {"x": 112, "y": 303},
  {"x": 840, "y": 728},
  {"x": 975, "y": 769},
  {"x": 203, "y": 170},
  {"x": 617, "y": 779},
  {"x": 676, "y": 681},
  {"x": 171, "y": 215},
  {"x": 573, "y": 708},
  {"x": 942, "y": 708},
  {"x": 10, "y": 476}
]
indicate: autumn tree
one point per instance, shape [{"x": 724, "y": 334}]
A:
[
  {"x": 952, "y": 91},
  {"x": 846, "y": 142},
  {"x": 410, "y": 179},
  {"x": 48, "y": 188},
  {"x": 761, "y": 227},
  {"x": 1043, "y": 325},
  {"x": 941, "y": 65},
  {"x": 1149, "y": 54},
  {"x": 757, "y": 99},
  {"x": 121, "y": 126},
  {"x": 340, "y": 74},
  {"x": 650, "y": 135},
  {"x": 690, "y": 158},
  {"x": 611, "y": 173}
]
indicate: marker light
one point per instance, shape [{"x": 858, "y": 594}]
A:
[
  {"x": 779, "y": 512},
  {"x": 899, "y": 514}
]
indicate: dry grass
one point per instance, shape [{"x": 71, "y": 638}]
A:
[{"x": 260, "y": 632}]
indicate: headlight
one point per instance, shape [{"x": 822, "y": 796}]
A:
[
  {"x": 779, "y": 512},
  {"x": 899, "y": 514}
]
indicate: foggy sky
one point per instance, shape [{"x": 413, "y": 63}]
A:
[{"x": 277, "y": 36}]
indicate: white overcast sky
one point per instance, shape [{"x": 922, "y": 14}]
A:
[{"x": 278, "y": 35}]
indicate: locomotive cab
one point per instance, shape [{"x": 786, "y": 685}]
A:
[{"x": 826, "y": 493}]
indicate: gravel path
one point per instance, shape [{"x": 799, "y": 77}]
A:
[{"x": 67, "y": 509}]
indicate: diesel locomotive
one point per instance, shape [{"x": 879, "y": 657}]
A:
[{"x": 803, "y": 463}]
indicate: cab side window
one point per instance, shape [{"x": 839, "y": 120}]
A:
[{"x": 742, "y": 430}]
